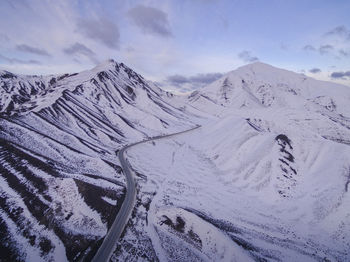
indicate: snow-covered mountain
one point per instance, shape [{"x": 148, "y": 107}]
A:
[
  {"x": 259, "y": 85},
  {"x": 267, "y": 180},
  {"x": 274, "y": 98},
  {"x": 264, "y": 178},
  {"x": 61, "y": 185}
]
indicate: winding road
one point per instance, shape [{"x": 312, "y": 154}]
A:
[{"x": 111, "y": 239}]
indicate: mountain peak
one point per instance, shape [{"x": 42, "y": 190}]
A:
[
  {"x": 105, "y": 65},
  {"x": 258, "y": 63},
  {"x": 112, "y": 65},
  {"x": 266, "y": 72},
  {"x": 6, "y": 74},
  {"x": 258, "y": 85},
  {"x": 258, "y": 66}
]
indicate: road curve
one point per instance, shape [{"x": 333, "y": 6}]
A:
[{"x": 112, "y": 237}]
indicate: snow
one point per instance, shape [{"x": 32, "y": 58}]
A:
[
  {"x": 81, "y": 218},
  {"x": 110, "y": 201},
  {"x": 229, "y": 179},
  {"x": 259, "y": 85},
  {"x": 265, "y": 177},
  {"x": 212, "y": 243},
  {"x": 61, "y": 134},
  {"x": 32, "y": 253},
  {"x": 287, "y": 202}
]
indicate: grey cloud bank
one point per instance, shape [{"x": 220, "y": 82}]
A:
[
  {"x": 81, "y": 49},
  {"x": 341, "y": 74},
  {"x": 315, "y": 70},
  {"x": 102, "y": 30},
  {"x": 324, "y": 49},
  {"x": 32, "y": 50},
  {"x": 4, "y": 38},
  {"x": 340, "y": 31},
  {"x": 185, "y": 84},
  {"x": 247, "y": 57},
  {"x": 150, "y": 20},
  {"x": 19, "y": 61},
  {"x": 344, "y": 53},
  {"x": 309, "y": 48},
  {"x": 201, "y": 79}
]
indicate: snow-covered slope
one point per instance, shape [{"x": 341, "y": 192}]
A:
[
  {"x": 271, "y": 172},
  {"x": 278, "y": 196},
  {"x": 61, "y": 184},
  {"x": 274, "y": 98},
  {"x": 265, "y": 178},
  {"x": 259, "y": 85}
]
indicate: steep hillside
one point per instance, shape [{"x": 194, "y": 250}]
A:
[
  {"x": 61, "y": 184},
  {"x": 261, "y": 194},
  {"x": 272, "y": 98},
  {"x": 267, "y": 180},
  {"x": 259, "y": 85},
  {"x": 266, "y": 177}
]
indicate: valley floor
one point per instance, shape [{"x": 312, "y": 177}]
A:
[{"x": 191, "y": 208}]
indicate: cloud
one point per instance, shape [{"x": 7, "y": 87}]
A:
[
  {"x": 129, "y": 49},
  {"x": 80, "y": 49},
  {"x": 224, "y": 21},
  {"x": 205, "y": 78},
  {"x": 18, "y": 4},
  {"x": 315, "y": 70},
  {"x": 32, "y": 50},
  {"x": 150, "y": 20},
  {"x": 177, "y": 80},
  {"x": 101, "y": 30},
  {"x": 283, "y": 46},
  {"x": 340, "y": 31},
  {"x": 19, "y": 61},
  {"x": 344, "y": 53},
  {"x": 185, "y": 84},
  {"x": 4, "y": 38},
  {"x": 309, "y": 48},
  {"x": 325, "y": 49},
  {"x": 247, "y": 57},
  {"x": 341, "y": 75}
]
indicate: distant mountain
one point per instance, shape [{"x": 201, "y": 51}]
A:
[{"x": 259, "y": 87}]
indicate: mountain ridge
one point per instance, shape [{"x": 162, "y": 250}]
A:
[
  {"x": 261, "y": 85},
  {"x": 59, "y": 137},
  {"x": 268, "y": 136}
]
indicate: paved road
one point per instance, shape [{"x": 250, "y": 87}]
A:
[{"x": 111, "y": 239}]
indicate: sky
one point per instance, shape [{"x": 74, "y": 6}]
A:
[{"x": 179, "y": 44}]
